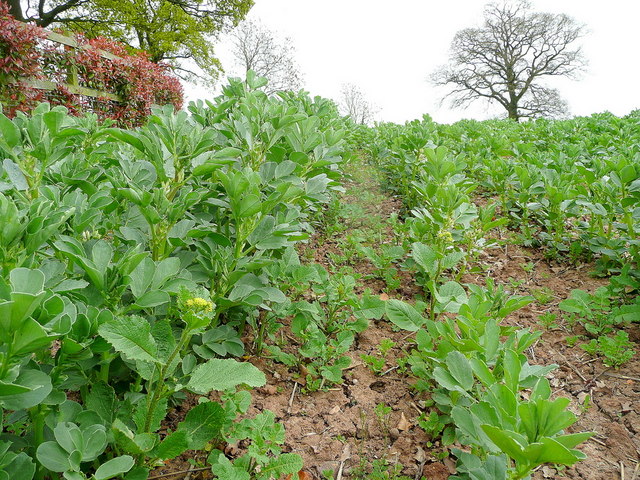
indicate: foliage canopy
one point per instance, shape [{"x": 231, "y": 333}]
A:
[{"x": 179, "y": 32}]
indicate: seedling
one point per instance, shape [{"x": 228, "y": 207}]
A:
[
  {"x": 386, "y": 344},
  {"x": 383, "y": 415},
  {"x": 548, "y": 320},
  {"x": 543, "y": 295},
  {"x": 615, "y": 351},
  {"x": 528, "y": 267},
  {"x": 375, "y": 364}
]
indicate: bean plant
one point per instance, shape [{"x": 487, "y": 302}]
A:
[{"x": 133, "y": 263}]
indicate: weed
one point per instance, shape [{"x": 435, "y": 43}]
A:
[
  {"x": 385, "y": 345},
  {"x": 379, "y": 469},
  {"x": 572, "y": 340},
  {"x": 375, "y": 364},
  {"x": 543, "y": 295},
  {"x": 528, "y": 267},
  {"x": 548, "y": 320},
  {"x": 383, "y": 415},
  {"x": 586, "y": 403},
  {"x": 597, "y": 312},
  {"x": 615, "y": 351}
]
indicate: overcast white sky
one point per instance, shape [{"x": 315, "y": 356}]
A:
[{"x": 389, "y": 49}]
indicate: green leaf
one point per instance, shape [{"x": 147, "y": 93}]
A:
[
  {"x": 53, "y": 457},
  {"x": 69, "y": 436},
  {"x": 141, "y": 277},
  {"x": 137, "y": 473},
  {"x": 21, "y": 467},
  {"x": 494, "y": 468},
  {"x": 101, "y": 254},
  {"x": 370, "y": 307},
  {"x": 223, "y": 469},
  {"x": 95, "y": 441},
  {"x": 24, "y": 280},
  {"x": 481, "y": 371},
  {"x": 172, "y": 446},
  {"x": 126, "y": 137},
  {"x": 30, "y": 337},
  {"x": 114, "y": 467},
  {"x": 39, "y": 385},
  {"x": 512, "y": 368},
  {"x": 17, "y": 178},
  {"x": 10, "y": 132},
  {"x": 460, "y": 369},
  {"x": 451, "y": 260},
  {"x": 249, "y": 206},
  {"x": 102, "y": 400},
  {"x": 545, "y": 417},
  {"x": 573, "y": 439},
  {"x": 467, "y": 424},
  {"x": 548, "y": 450},
  {"x": 73, "y": 476},
  {"x": 285, "y": 464},
  {"x": 426, "y": 257},
  {"x": 203, "y": 424},
  {"x": 153, "y": 299},
  {"x": 132, "y": 337},
  {"x": 404, "y": 315},
  {"x": 446, "y": 380},
  {"x": 12, "y": 389},
  {"x": 506, "y": 441},
  {"x": 158, "y": 414},
  {"x": 224, "y": 374},
  {"x": 131, "y": 443}
]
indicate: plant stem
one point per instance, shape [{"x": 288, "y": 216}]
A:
[
  {"x": 104, "y": 367},
  {"x": 37, "y": 418},
  {"x": 159, "y": 387}
]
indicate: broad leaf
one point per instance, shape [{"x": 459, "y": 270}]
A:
[
  {"x": 114, "y": 467},
  {"x": 404, "y": 315},
  {"x": 132, "y": 337},
  {"x": 224, "y": 374}
]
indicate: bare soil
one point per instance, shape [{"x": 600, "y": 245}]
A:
[{"x": 339, "y": 427}]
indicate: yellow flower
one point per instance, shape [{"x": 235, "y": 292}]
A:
[
  {"x": 199, "y": 305},
  {"x": 446, "y": 235}
]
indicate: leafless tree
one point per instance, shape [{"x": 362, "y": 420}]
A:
[
  {"x": 256, "y": 48},
  {"x": 505, "y": 60},
  {"x": 354, "y": 104}
]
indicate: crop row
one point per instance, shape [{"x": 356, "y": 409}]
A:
[
  {"x": 571, "y": 188},
  {"x": 131, "y": 264}
]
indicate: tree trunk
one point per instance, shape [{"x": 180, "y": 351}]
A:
[
  {"x": 512, "y": 111},
  {"x": 15, "y": 9}
]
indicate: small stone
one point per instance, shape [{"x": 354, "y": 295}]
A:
[
  {"x": 334, "y": 410},
  {"x": 450, "y": 464},
  {"x": 231, "y": 449},
  {"x": 394, "y": 433},
  {"x": 268, "y": 389},
  {"x": 403, "y": 424}
]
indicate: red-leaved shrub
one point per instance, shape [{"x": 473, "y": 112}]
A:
[{"x": 25, "y": 53}]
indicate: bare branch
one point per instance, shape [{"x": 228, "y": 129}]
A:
[
  {"x": 505, "y": 59},
  {"x": 256, "y": 48},
  {"x": 354, "y": 104}
]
